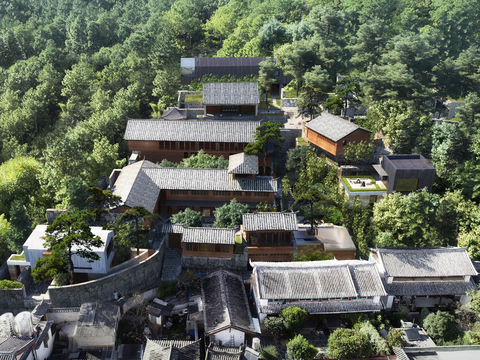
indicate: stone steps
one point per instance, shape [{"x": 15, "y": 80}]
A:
[{"x": 172, "y": 264}]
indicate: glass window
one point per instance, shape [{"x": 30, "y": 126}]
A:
[{"x": 225, "y": 248}]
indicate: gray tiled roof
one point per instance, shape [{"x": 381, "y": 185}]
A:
[
  {"x": 231, "y": 131},
  {"x": 174, "y": 114},
  {"x": 171, "y": 228},
  {"x": 11, "y": 345},
  {"x": 318, "y": 279},
  {"x": 270, "y": 221},
  {"x": 326, "y": 307},
  {"x": 171, "y": 350},
  {"x": 40, "y": 310},
  {"x": 431, "y": 288},
  {"x": 223, "y": 353},
  {"x": 333, "y": 127},
  {"x": 139, "y": 184},
  {"x": 135, "y": 187},
  {"x": 208, "y": 179},
  {"x": 225, "y": 303},
  {"x": 426, "y": 262},
  {"x": 208, "y": 235},
  {"x": 243, "y": 164},
  {"x": 96, "y": 320},
  {"x": 233, "y": 93}
]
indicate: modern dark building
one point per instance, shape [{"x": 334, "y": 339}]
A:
[
  {"x": 405, "y": 173},
  {"x": 196, "y": 68}
]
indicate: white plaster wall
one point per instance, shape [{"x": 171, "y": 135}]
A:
[
  {"x": 390, "y": 302},
  {"x": 45, "y": 352},
  {"x": 224, "y": 337}
]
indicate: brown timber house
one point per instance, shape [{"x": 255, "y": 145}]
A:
[
  {"x": 169, "y": 190},
  {"x": 176, "y": 140},
  {"x": 331, "y": 134},
  {"x": 269, "y": 236}
]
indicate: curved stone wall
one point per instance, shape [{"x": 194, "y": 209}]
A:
[{"x": 145, "y": 274}]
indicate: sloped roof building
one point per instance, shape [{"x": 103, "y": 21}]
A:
[
  {"x": 425, "y": 272},
  {"x": 227, "y": 316},
  {"x": 319, "y": 287}
]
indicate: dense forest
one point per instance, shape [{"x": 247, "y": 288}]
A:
[{"x": 72, "y": 71}]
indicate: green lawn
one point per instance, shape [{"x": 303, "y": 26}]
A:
[
  {"x": 347, "y": 184},
  {"x": 18, "y": 257},
  {"x": 238, "y": 244},
  {"x": 273, "y": 106},
  {"x": 302, "y": 141},
  {"x": 194, "y": 98},
  {"x": 460, "y": 99},
  {"x": 279, "y": 102},
  {"x": 291, "y": 94}
]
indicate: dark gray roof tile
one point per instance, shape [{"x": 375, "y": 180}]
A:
[
  {"x": 243, "y": 164},
  {"x": 318, "y": 279},
  {"x": 208, "y": 235},
  {"x": 333, "y": 127},
  {"x": 225, "y": 303},
  {"x": 232, "y": 93},
  {"x": 191, "y": 130},
  {"x": 270, "y": 221},
  {"x": 426, "y": 262}
]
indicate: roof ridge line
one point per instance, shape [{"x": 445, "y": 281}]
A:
[{"x": 225, "y": 296}]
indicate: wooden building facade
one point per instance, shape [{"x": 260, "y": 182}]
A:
[
  {"x": 176, "y": 140},
  {"x": 269, "y": 236},
  {"x": 169, "y": 190},
  {"x": 331, "y": 134}
]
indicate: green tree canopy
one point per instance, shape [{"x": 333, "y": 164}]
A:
[
  {"x": 266, "y": 136},
  {"x": 294, "y": 318},
  {"x": 349, "y": 344},
  {"x": 138, "y": 215},
  {"x": 20, "y": 227},
  {"x": 69, "y": 235},
  {"x": 310, "y": 101},
  {"x": 299, "y": 348},
  {"x": 188, "y": 217},
  {"x": 230, "y": 215},
  {"x": 101, "y": 201}
]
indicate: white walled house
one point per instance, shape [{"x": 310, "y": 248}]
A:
[
  {"x": 425, "y": 277},
  {"x": 318, "y": 287},
  {"x": 34, "y": 249},
  {"x": 227, "y": 316}
]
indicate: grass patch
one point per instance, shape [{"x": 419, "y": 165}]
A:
[
  {"x": 7, "y": 284},
  {"x": 460, "y": 99},
  {"x": 18, "y": 257},
  {"x": 291, "y": 94},
  {"x": 279, "y": 102},
  {"x": 347, "y": 184},
  {"x": 301, "y": 141},
  {"x": 262, "y": 104},
  {"x": 238, "y": 244},
  {"x": 193, "y": 97}
]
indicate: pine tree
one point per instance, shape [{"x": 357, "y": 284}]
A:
[{"x": 20, "y": 227}]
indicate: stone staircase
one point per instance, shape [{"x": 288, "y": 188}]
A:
[{"x": 172, "y": 264}]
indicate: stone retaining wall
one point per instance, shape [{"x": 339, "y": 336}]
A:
[
  {"x": 238, "y": 262},
  {"x": 11, "y": 300},
  {"x": 143, "y": 275},
  {"x": 193, "y": 105},
  {"x": 288, "y": 102},
  {"x": 25, "y": 277},
  {"x": 192, "y": 113}
]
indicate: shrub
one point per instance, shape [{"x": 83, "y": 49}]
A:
[
  {"x": 61, "y": 278},
  {"x": 440, "y": 326},
  {"x": 269, "y": 353},
  {"x": 188, "y": 217},
  {"x": 424, "y": 313},
  {"x": 379, "y": 344},
  {"x": 274, "y": 325},
  {"x": 7, "y": 284},
  {"x": 403, "y": 310},
  {"x": 395, "y": 338},
  {"x": 349, "y": 344},
  {"x": 300, "y": 348},
  {"x": 166, "y": 288},
  {"x": 294, "y": 318}
]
